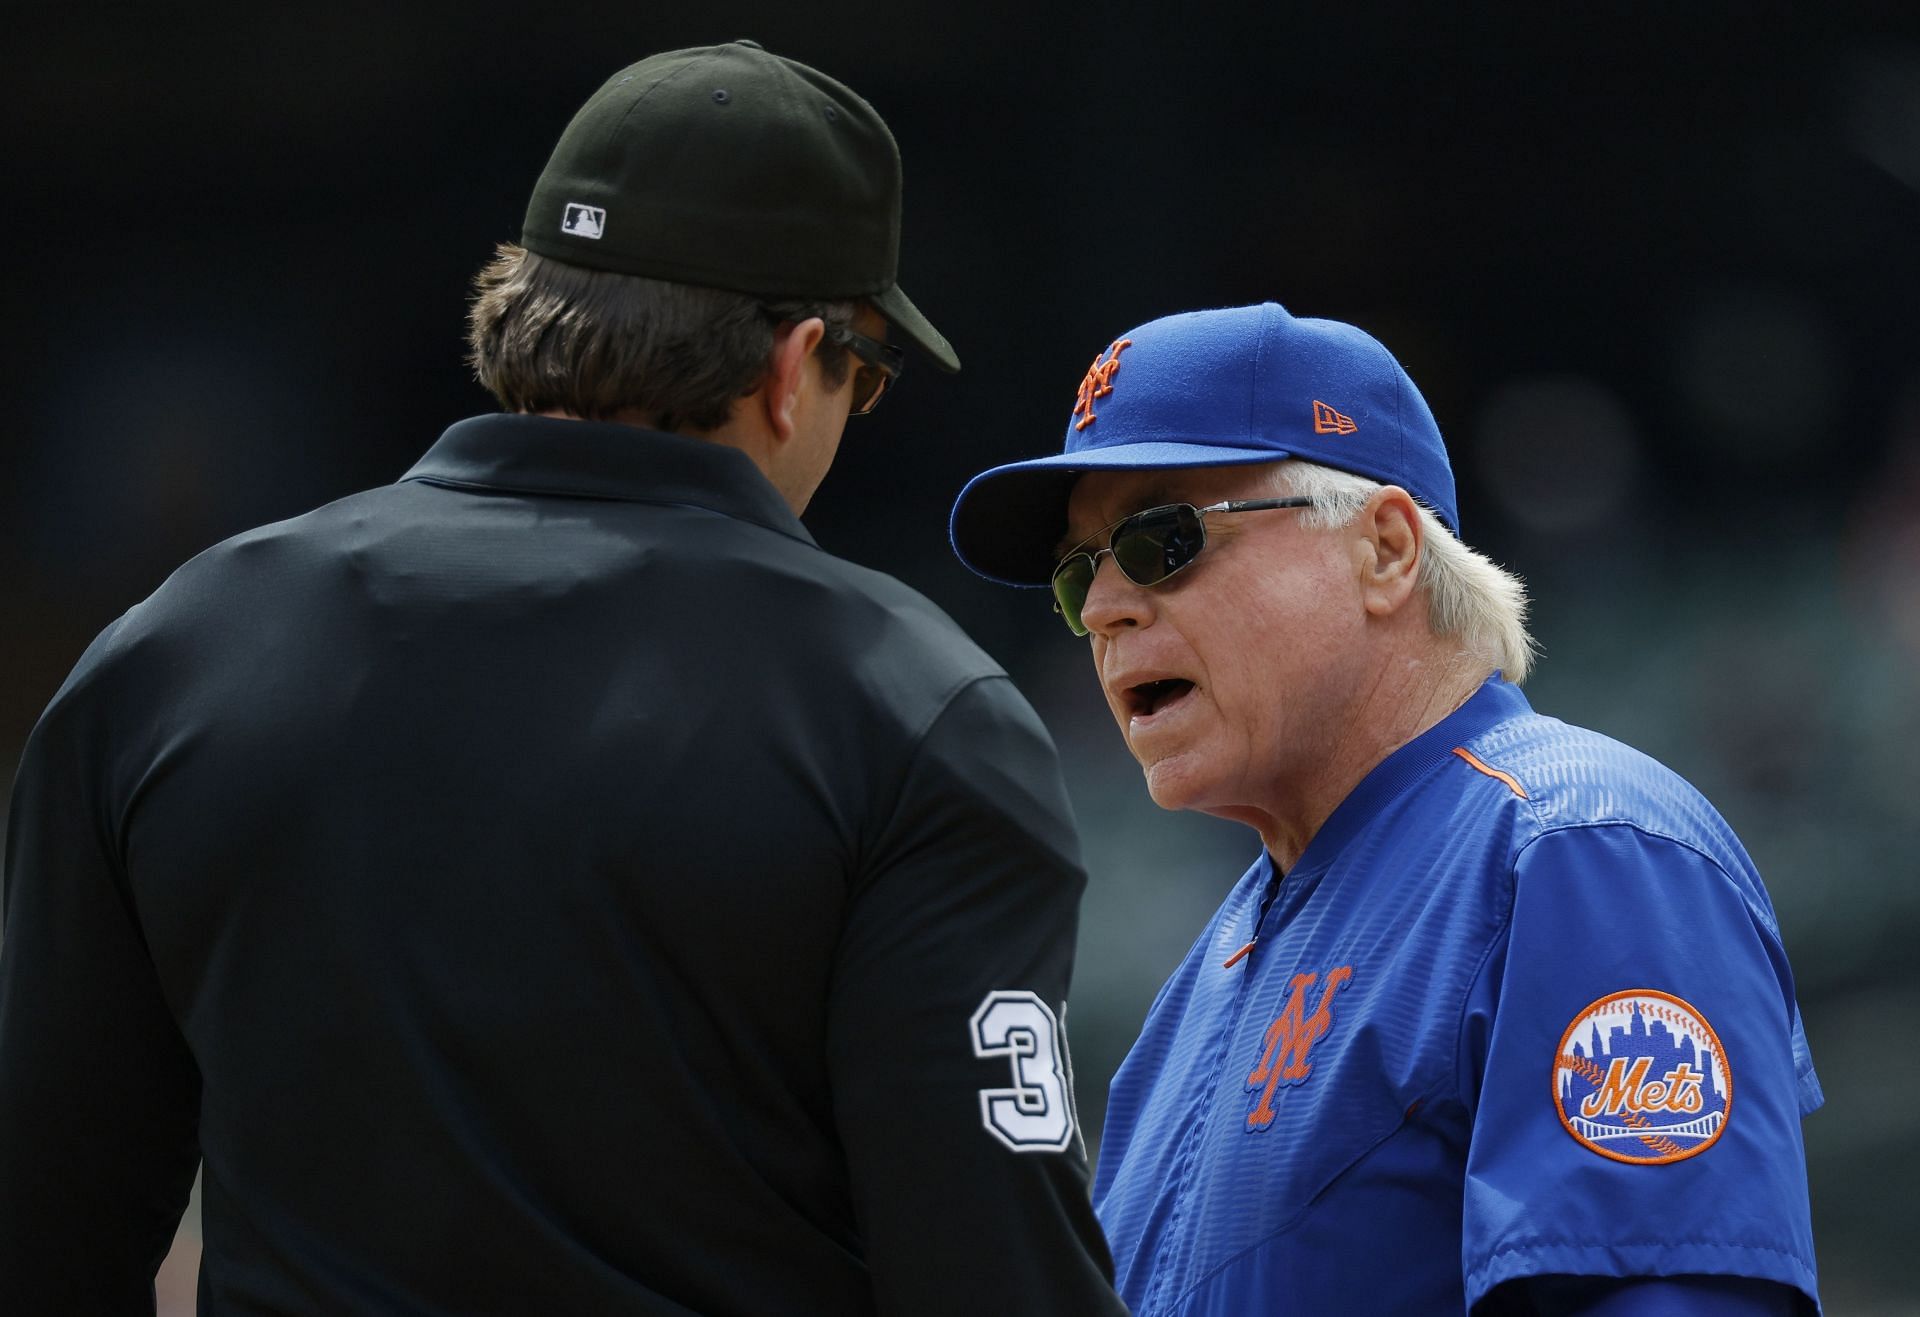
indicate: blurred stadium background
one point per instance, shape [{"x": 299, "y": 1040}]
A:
[{"x": 1656, "y": 268}]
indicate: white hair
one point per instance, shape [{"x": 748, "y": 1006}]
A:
[{"x": 1470, "y": 597}]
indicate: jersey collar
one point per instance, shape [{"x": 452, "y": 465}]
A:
[
  {"x": 1496, "y": 701},
  {"x": 603, "y": 459}
]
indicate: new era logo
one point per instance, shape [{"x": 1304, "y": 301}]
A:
[
  {"x": 1327, "y": 421},
  {"x": 590, "y": 221}
]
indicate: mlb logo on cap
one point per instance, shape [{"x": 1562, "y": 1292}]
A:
[{"x": 584, "y": 221}]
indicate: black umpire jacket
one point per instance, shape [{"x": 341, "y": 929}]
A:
[{"x": 550, "y": 884}]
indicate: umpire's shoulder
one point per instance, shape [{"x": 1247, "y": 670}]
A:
[
  {"x": 884, "y": 631},
  {"x": 214, "y": 594}
]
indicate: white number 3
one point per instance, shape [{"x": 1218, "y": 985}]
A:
[{"x": 1036, "y": 1114}]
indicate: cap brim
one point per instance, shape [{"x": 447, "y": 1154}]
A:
[
  {"x": 908, "y": 323},
  {"x": 1007, "y": 522}
]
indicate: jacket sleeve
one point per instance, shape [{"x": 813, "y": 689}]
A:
[
  {"x": 1640, "y": 1077},
  {"x": 947, "y": 1046},
  {"x": 98, "y": 1094},
  {"x": 1641, "y": 1296}
]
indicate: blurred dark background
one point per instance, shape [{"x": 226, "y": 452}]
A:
[{"x": 1655, "y": 266}]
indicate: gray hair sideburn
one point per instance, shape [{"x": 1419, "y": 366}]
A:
[
  {"x": 545, "y": 336},
  {"x": 1470, "y": 597}
]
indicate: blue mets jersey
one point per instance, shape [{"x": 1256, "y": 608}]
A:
[{"x": 1521, "y": 1009}]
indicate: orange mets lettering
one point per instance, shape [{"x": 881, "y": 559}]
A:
[
  {"x": 1327, "y": 421},
  {"x": 1627, "y": 1090},
  {"x": 1098, "y": 382},
  {"x": 1290, "y": 1038}
]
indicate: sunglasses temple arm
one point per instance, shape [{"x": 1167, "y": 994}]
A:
[{"x": 1258, "y": 505}]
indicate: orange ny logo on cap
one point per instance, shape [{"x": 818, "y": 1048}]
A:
[
  {"x": 1327, "y": 421},
  {"x": 1098, "y": 382}
]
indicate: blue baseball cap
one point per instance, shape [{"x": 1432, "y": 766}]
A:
[{"x": 1237, "y": 386}]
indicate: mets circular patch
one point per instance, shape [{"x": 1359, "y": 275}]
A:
[{"x": 1641, "y": 1077}]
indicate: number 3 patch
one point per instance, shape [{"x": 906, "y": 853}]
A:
[{"x": 1036, "y": 1114}]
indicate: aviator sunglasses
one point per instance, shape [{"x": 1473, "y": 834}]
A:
[{"x": 1149, "y": 547}]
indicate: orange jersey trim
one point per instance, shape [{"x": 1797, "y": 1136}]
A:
[{"x": 1481, "y": 766}]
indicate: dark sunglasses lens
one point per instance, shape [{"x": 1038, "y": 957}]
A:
[
  {"x": 1157, "y": 543},
  {"x": 869, "y": 386},
  {"x": 1071, "y": 581}
]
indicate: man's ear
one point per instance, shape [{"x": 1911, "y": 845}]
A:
[
  {"x": 1388, "y": 545},
  {"x": 787, "y": 373}
]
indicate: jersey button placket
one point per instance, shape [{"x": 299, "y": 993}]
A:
[{"x": 1174, "y": 1241}]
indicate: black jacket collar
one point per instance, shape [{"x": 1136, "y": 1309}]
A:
[{"x": 604, "y": 459}]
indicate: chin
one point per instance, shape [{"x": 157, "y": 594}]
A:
[{"x": 1173, "y": 784}]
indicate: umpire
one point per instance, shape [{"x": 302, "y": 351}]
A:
[{"x": 552, "y": 883}]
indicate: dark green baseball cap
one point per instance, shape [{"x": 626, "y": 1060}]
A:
[{"x": 730, "y": 167}]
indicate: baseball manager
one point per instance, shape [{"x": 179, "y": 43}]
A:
[
  {"x": 552, "y": 883},
  {"x": 1499, "y": 1019}
]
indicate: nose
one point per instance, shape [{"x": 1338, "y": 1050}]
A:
[{"x": 1114, "y": 603}]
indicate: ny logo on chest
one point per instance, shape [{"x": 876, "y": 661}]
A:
[{"x": 1289, "y": 1041}]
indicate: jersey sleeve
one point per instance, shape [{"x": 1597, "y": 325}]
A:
[
  {"x": 1636, "y": 1072},
  {"x": 947, "y": 1046},
  {"x": 98, "y": 1094},
  {"x": 1640, "y": 1296}
]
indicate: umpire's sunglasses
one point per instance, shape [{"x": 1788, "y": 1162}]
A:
[
  {"x": 1149, "y": 547},
  {"x": 880, "y": 365}
]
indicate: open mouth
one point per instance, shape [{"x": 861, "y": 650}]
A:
[{"x": 1150, "y": 697}]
